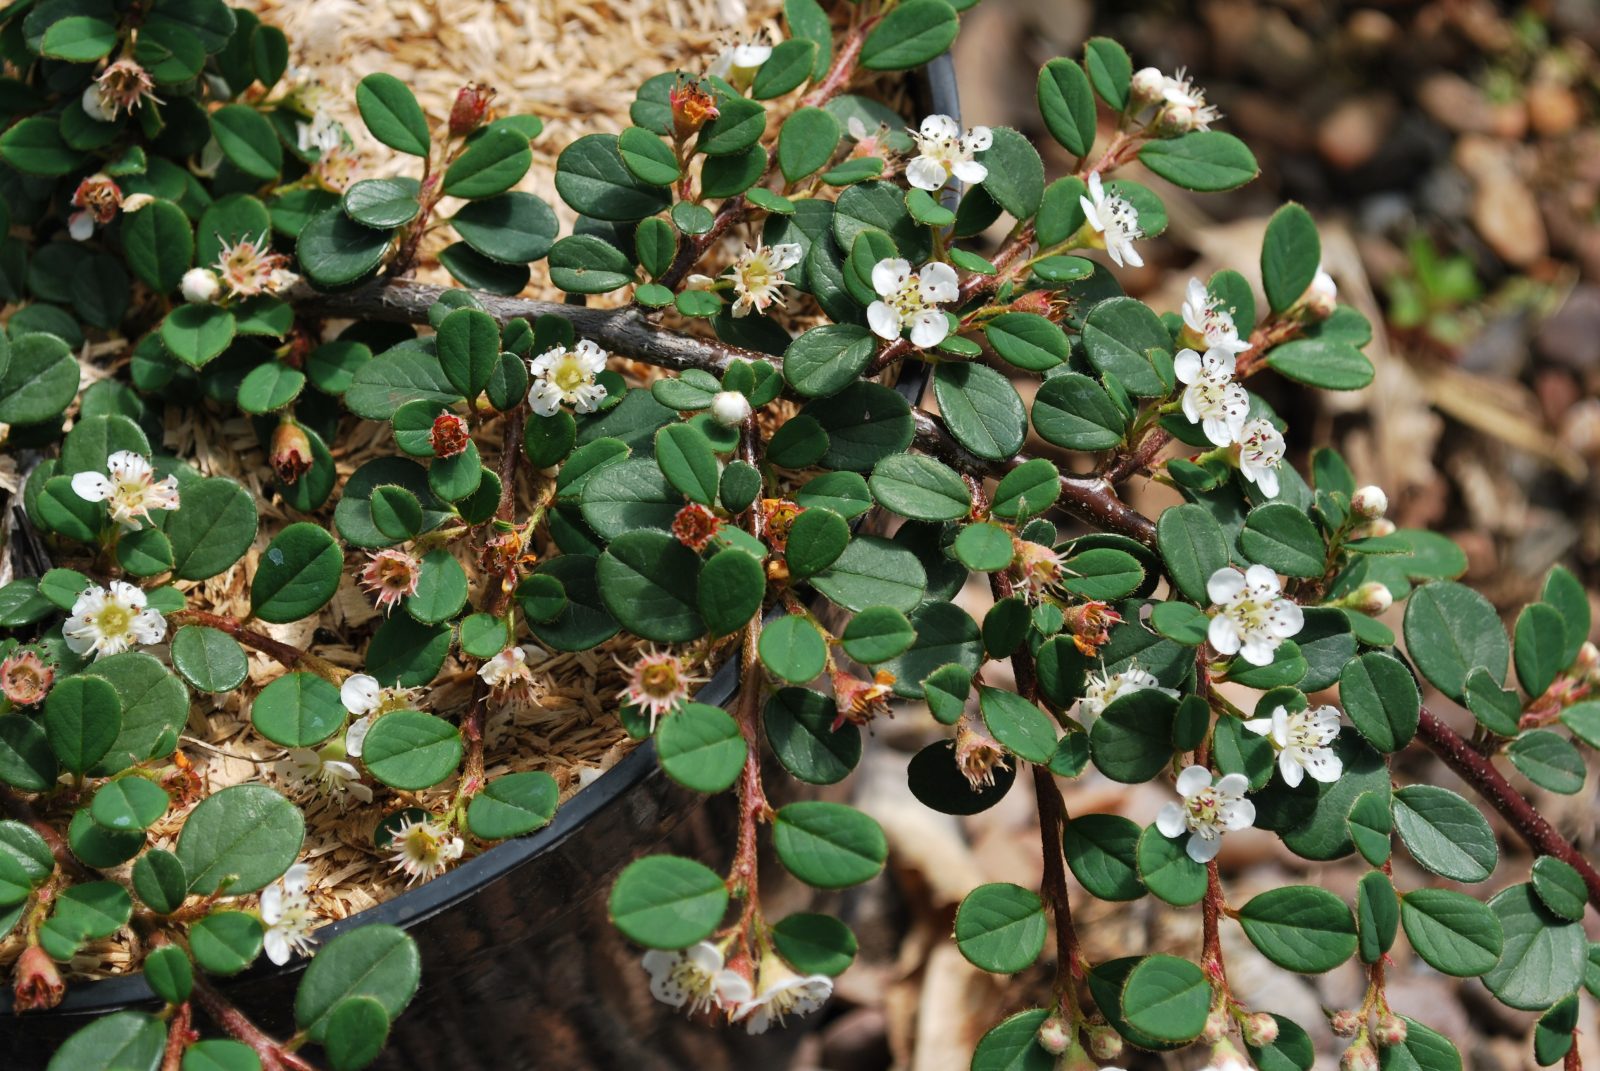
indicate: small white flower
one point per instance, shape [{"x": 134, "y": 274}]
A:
[
  {"x": 1260, "y": 451},
  {"x": 109, "y": 620},
  {"x": 1302, "y": 742},
  {"x": 130, "y": 492},
  {"x": 249, "y": 267},
  {"x": 200, "y": 286},
  {"x": 695, "y": 977},
  {"x": 1207, "y": 811},
  {"x": 758, "y": 276},
  {"x": 782, "y": 992},
  {"x": 1227, "y": 1061},
  {"x": 1211, "y": 398},
  {"x": 1100, "y": 691},
  {"x": 740, "y": 60},
  {"x": 563, "y": 375},
  {"x": 907, "y": 298},
  {"x": 325, "y": 771},
  {"x": 422, "y": 850},
  {"x": 943, "y": 152},
  {"x": 730, "y": 408},
  {"x": 1252, "y": 617},
  {"x": 1205, "y": 316},
  {"x": 286, "y": 911},
  {"x": 1115, "y": 219}
]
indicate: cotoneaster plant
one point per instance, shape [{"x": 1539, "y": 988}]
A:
[{"x": 184, "y": 218}]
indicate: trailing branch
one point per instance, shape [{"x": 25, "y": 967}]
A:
[
  {"x": 630, "y": 332},
  {"x": 1480, "y": 773}
]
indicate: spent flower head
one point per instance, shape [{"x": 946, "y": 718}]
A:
[
  {"x": 658, "y": 683},
  {"x": 25, "y": 678},
  {"x": 389, "y": 576}
]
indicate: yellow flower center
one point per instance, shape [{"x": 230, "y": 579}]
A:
[
  {"x": 113, "y": 620},
  {"x": 569, "y": 374}
]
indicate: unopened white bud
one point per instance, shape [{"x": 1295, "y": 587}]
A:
[
  {"x": 730, "y": 408},
  {"x": 1260, "y": 1029},
  {"x": 1216, "y": 1028},
  {"x": 1391, "y": 1031},
  {"x": 1359, "y": 1057},
  {"x": 1178, "y": 118},
  {"x": 1345, "y": 1022},
  {"x": 1054, "y": 1036},
  {"x": 1370, "y": 502},
  {"x": 1371, "y": 598},
  {"x": 1373, "y": 529},
  {"x": 200, "y": 285},
  {"x": 1104, "y": 1043},
  {"x": 1147, "y": 84}
]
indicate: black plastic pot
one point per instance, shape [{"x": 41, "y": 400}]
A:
[{"x": 521, "y": 967}]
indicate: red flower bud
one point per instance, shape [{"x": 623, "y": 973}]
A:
[
  {"x": 470, "y": 109},
  {"x": 291, "y": 451},
  {"x": 38, "y": 984}
]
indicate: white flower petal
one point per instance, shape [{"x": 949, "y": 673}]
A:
[
  {"x": 929, "y": 328},
  {"x": 1224, "y": 635},
  {"x": 1203, "y": 850},
  {"x": 92, "y": 486},
  {"x": 884, "y": 320},
  {"x": 926, "y": 173},
  {"x": 1224, "y": 584},
  {"x": 1192, "y": 780},
  {"x": 1170, "y": 821},
  {"x": 889, "y": 275}
]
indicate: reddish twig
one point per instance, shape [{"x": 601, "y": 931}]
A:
[
  {"x": 272, "y": 1054},
  {"x": 179, "y": 1037},
  {"x": 289, "y": 656},
  {"x": 1489, "y": 783}
]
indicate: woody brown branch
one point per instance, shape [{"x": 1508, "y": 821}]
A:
[{"x": 630, "y": 332}]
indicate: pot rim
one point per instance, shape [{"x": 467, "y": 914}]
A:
[{"x": 416, "y": 905}]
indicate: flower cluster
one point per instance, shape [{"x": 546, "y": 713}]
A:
[{"x": 1179, "y": 104}]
